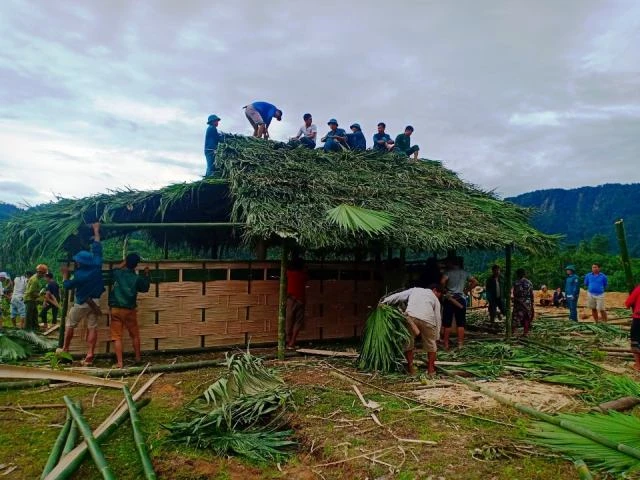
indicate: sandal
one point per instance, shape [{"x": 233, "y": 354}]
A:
[{"x": 87, "y": 362}]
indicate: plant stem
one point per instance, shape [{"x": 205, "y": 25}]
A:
[{"x": 147, "y": 465}]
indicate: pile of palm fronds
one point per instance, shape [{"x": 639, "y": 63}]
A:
[
  {"x": 554, "y": 328},
  {"x": 385, "y": 339},
  {"x": 478, "y": 320},
  {"x": 242, "y": 413},
  {"x": 612, "y": 443},
  {"x": 18, "y": 344}
]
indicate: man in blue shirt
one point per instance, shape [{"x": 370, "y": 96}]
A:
[
  {"x": 356, "y": 140},
  {"x": 382, "y": 141},
  {"x": 89, "y": 286},
  {"x": 336, "y": 139},
  {"x": 211, "y": 140},
  {"x": 596, "y": 283},
  {"x": 260, "y": 115},
  {"x": 572, "y": 290}
]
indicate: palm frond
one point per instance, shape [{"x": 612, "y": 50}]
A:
[
  {"x": 11, "y": 351},
  {"x": 357, "y": 219},
  {"x": 384, "y": 341},
  {"x": 39, "y": 342}
]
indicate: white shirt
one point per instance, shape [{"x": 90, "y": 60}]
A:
[
  {"x": 19, "y": 286},
  {"x": 422, "y": 304},
  {"x": 311, "y": 131}
]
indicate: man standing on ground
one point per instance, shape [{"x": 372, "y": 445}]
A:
[
  {"x": 596, "y": 283},
  {"x": 572, "y": 291},
  {"x": 459, "y": 282},
  {"x": 355, "y": 139},
  {"x": 423, "y": 310},
  {"x": 51, "y": 300},
  {"x": 260, "y": 115},
  {"x": 17, "y": 307},
  {"x": 523, "y": 301},
  {"x": 89, "y": 285},
  {"x": 307, "y": 133},
  {"x": 211, "y": 140},
  {"x": 31, "y": 296},
  {"x": 494, "y": 287},
  {"x": 633, "y": 302},
  {"x": 403, "y": 143},
  {"x": 296, "y": 286},
  {"x": 382, "y": 141},
  {"x": 122, "y": 302},
  {"x": 336, "y": 139}
]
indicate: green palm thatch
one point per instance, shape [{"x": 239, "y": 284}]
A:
[
  {"x": 615, "y": 427},
  {"x": 357, "y": 219},
  {"x": 384, "y": 341}
]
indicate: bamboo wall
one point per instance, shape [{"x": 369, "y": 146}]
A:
[{"x": 211, "y": 304}]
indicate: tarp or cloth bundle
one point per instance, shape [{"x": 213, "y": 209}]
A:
[
  {"x": 242, "y": 413},
  {"x": 385, "y": 339}
]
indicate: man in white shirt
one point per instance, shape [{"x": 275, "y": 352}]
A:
[
  {"x": 423, "y": 310},
  {"x": 18, "y": 309},
  {"x": 307, "y": 133}
]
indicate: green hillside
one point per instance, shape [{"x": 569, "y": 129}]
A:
[{"x": 6, "y": 210}]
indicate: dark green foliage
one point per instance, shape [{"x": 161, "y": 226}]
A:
[
  {"x": 17, "y": 344},
  {"x": 10, "y": 350},
  {"x": 384, "y": 341}
]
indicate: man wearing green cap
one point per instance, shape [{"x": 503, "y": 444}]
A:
[
  {"x": 211, "y": 140},
  {"x": 336, "y": 139},
  {"x": 356, "y": 139},
  {"x": 572, "y": 291}
]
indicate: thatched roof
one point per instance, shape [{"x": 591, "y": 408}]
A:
[{"x": 281, "y": 192}]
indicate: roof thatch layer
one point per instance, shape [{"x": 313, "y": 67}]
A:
[{"x": 284, "y": 192}]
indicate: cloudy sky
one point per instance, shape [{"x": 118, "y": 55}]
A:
[{"x": 514, "y": 95}]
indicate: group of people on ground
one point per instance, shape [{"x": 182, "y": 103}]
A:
[{"x": 260, "y": 115}]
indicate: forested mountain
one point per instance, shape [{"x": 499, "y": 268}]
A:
[
  {"x": 6, "y": 210},
  {"x": 581, "y": 213}
]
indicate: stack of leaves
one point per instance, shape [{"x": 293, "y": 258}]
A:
[
  {"x": 553, "y": 328},
  {"x": 385, "y": 339},
  {"x": 242, "y": 413},
  {"x": 613, "y": 443},
  {"x": 17, "y": 344}
]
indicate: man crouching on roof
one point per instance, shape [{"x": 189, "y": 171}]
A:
[
  {"x": 423, "y": 311},
  {"x": 89, "y": 285}
]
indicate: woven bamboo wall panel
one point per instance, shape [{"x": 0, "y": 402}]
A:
[
  {"x": 265, "y": 287},
  {"x": 180, "y": 289},
  {"x": 227, "y": 287}
]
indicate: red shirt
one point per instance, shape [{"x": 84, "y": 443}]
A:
[
  {"x": 634, "y": 302},
  {"x": 296, "y": 280}
]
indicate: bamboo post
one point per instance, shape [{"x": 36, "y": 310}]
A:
[
  {"x": 63, "y": 317},
  {"x": 507, "y": 286},
  {"x": 94, "y": 448},
  {"x": 147, "y": 465},
  {"x": 56, "y": 451},
  {"x": 72, "y": 438},
  {"x": 282, "y": 305},
  {"x": 624, "y": 254}
]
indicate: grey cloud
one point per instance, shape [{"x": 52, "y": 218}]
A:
[{"x": 16, "y": 189}]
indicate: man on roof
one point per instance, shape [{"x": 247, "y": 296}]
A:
[
  {"x": 382, "y": 141},
  {"x": 307, "y": 133},
  {"x": 403, "y": 143},
  {"x": 89, "y": 285},
  {"x": 211, "y": 140},
  {"x": 355, "y": 139},
  {"x": 260, "y": 115},
  {"x": 336, "y": 139}
]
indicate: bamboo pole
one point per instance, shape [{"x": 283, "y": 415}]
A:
[
  {"x": 63, "y": 318},
  {"x": 72, "y": 438},
  {"x": 94, "y": 448},
  {"x": 624, "y": 254},
  {"x": 160, "y": 226},
  {"x": 23, "y": 384},
  {"x": 507, "y": 286},
  {"x": 583, "y": 470},
  {"x": 56, "y": 451},
  {"x": 139, "y": 437},
  {"x": 564, "y": 424},
  {"x": 282, "y": 304}
]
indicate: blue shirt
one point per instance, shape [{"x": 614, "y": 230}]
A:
[
  {"x": 266, "y": 111},
  {"x": 54, "y": 289},
  {"x": 87, "y": 279},
  {"x": 339, "y": 132},
  {"x": 357, "y": 141},
  {"x": 596, "y": 284},
  {"x": 572, "y": 286},
  {"x": 212, "y": 138},
  {"x": 380, "y": 136}
]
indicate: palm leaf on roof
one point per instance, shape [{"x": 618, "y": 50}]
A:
[{"x": 283, "y": 192}]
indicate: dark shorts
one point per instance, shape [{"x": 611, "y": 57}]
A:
[
  {"x": 634, "y": 335},
  {"x": 451, "y": 311},
  {"x": 295, "y": 312}
]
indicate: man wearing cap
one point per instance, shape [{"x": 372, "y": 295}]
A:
[
  {"x": 336, "y": 139},
  {"x": 31, "y": 296},
  {"x": 260, "y": 115},
  {"x": 211, "y": 140},
  {"x": 355, "y": 139},
  {"x": 403, "y": 143},
  {"x": 382, "y": 141},
  {"x": 89, "y": 285},
  {"x": 307, "y": 133},
  {"x": 122, "y": 303},
  {"x": 18, "y": 308},
  {"x": 572, "y": 291}
]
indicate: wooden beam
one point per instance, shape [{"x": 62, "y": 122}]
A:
[
  {"x": 160, "y": 225},
  {"x": 507, "y": 286}
]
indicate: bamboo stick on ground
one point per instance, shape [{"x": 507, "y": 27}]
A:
[
  {"x": 33, "y": 407},
  {"x": 14, "y": 371},
  {"x": 94, "y": 448},
  {"x": 147, "y": 465},
  {"x": 56, "y": 451},
  {"x": 72, "y": 438}
]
